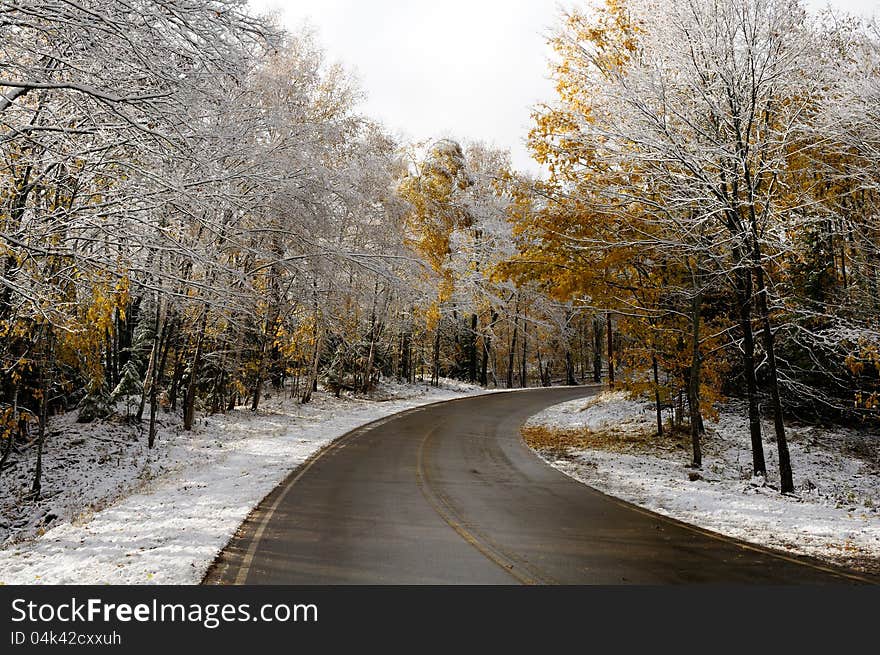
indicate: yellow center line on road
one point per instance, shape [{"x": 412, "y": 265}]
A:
[{"x": 514, "y": 566}]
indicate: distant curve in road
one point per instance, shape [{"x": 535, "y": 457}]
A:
[{"x": 450, "y": 494}]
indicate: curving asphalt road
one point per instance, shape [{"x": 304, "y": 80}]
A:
[{"x": 449, "y": 494}]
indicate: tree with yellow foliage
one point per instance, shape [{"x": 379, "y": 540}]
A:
[{"x": 674, "y": 131}]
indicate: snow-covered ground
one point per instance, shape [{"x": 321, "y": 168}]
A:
[
  {"x": 834, "y": 514},
  {"x": 114, "y": 512}
]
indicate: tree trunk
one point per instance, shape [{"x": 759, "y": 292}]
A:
[
  {"x": 36, "y": 487},
  {"x": 18, "y": 205},
  {"x": 154, "y": 393},
  {"x": 154, "y": 406},
  {"x": 257, "y": 392},
  {"x": 597, "y": 350},
  {"x": 367, "y": 381},
  {"x": 258, "y": 386},
  {"x": 405, "y": 358},
  {"x": 171, "y": 326},
  {"x": 569, "y": 369},
  {"x": 266, "y": 344},
  {"x": 472, "y": 346},
  {"x": 679, "y": 409},
  {"x": 484, "y": 363},
  {"x": 158, "y": 333},
  {"x": 785, "y": 473},
  {"x": 435, "y": 368},
  {"x": 610, "y": 350},
  {"x": 658, "y": 406},
  {"x": 189, "y": 402},
  {"x": 176, "y": 377},
  {"x": 154, "y": 375},
  {"x": 694, "y": 377},
  {"x": 232, "y": 400},
  {"x": 582, "y": 349},
  {"x": 487, "y": 350},
  {"x": 313, "y": 372},
  {"x": 512, "y": 354},
  {"x": 540, "y": 364},
  {"x": 523, "y": 379},
  {"x": 7, "y": 447},
  {"x": 368, "y": 369},
  {"x": 744, "y": 289}
]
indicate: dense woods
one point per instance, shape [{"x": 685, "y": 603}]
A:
[
  {"x": 711, "y": 187},
  {"x": 193, "y": 210}
]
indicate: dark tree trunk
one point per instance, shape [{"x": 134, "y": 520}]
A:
[
  {"x": 166, "y": 345},
  {"x": 367, "y": 381},
  {"x": 785, "y": 473},
  {"x": 189, "y": 402},
  {"x": 523, "y": 379},
  {"x": 258, "y": 388},
  {"x": 154, "y": 406},
  {"x": 487, "y": 350},
  {"x": 694, "y": 378},
  {"x": 597, "y": 350},
  {"x": 19, "y": 201},
  {"x": 679, "y": 409},
  {"x": 435, "y": 367},
  {"x": 36, "y": 487},
  {"x": 10, "y": 436},
  {"x": 155, "y": 375},
  {"x": 312, "y": 385},
  {"x": 512, "y": 354},
  {"x": 472, "y": 346},
  {"x": 657, "y": 405},
  {"x": 610, "y": 355},
  {"x": 787, "y": 483},
  {"x": 405, "y": 356},
  {"x": 231, "y": 400},
  {"x": 158, "y": 334},
  {"x": 484, "y": 363},
  {"x": 176, "y": 378},
  {"x": 569, "y": 369},
  {"x": 7, "y": 449},
  {"x": 744, "y": 292},
  {"x": 540, "y": 363},
  {"x": 268, "y": 338},
  {"x": 582, "y": 349}
]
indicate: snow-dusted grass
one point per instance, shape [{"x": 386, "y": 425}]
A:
[
  {"x": 121, "y": 514},
  {"x": 833, "y": 515}
]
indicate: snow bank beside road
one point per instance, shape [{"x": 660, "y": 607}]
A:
[
  {"x": 603, "y": 412},
  {"x": 834, "y": 515},
  {"x": 171, "y": 529}
]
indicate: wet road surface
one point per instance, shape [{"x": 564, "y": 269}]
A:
[{"x": 450, "y": 494}]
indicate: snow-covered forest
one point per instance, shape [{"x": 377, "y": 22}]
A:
[
  {"x": 713, "y": 189},
  {"x": 194, "y": 212}
]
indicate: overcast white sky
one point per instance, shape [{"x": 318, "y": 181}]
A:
[{"x": 468, "y": 69}]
